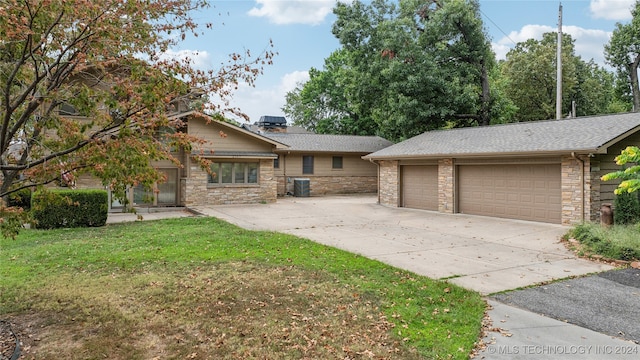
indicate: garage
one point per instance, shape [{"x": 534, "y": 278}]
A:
[
  {"x": 419, "y": 186},
  {"x": 515, "y": 191}
]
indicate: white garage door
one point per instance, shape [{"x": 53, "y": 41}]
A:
[
  {"x": 526, "y": 192},
  {"x": 420, "y": 186}
]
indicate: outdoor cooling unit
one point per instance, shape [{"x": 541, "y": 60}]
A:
[{"x": 301, "y": 187}]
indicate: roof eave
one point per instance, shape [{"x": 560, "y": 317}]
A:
[
  {"x": 487, "y": 154},
  {"x": 615, "y": 140}
]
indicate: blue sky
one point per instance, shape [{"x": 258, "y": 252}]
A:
[{"x": 301, "y": 33}]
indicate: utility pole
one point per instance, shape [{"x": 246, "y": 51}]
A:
[{"x": 559, "y": 67}]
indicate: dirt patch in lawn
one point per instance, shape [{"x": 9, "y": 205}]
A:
[{"x": 236, "y": 310}]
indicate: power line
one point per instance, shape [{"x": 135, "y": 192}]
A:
[{"x": 496, "y": 25}]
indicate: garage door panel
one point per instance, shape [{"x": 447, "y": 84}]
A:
[
  {"x": 519, "y": 191},
  {"x": 420, "y": 186}
]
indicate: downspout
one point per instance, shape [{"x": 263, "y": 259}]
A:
[
  {"x": 374, "y": 162},
  {"x": 284, "y": 173},
  {"x": 582, "y": 187}
]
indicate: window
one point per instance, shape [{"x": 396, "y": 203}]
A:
[
  {"x": 336, "y": 162},
  {"x": 276, "y": 162},
  {"x": 233, "y": 173},
  {"x": 307, "y": 164}
]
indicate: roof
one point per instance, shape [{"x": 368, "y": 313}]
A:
[
  {"x": 233, "y": 127},
  {"x": 289, "y": 129},
  {"x": 581, "y": 135},
  {"x": 330, "y": 143}
]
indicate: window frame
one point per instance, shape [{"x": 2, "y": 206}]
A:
[
  {"x": 340, "y": 160},
  {"x": 226, "y": 173},
  {"x": 307, "y": 164}
]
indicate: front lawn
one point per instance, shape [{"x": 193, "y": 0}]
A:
[{"x": 201, "y": 288}]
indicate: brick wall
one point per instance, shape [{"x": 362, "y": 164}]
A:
[
  {"x": 574, "y": 200},
  {"x": 389, "y": 183},
  {"x": 328, "y": 185},
  {"x": 446, "y": 186},
  {"x": 197, "y": 192}
]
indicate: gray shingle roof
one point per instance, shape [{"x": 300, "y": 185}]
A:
[
  {"x": 582, "y": 134},
  {"x": 330, "y": 143}
]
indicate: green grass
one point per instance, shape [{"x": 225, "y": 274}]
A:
[
  {"x": 201, "y": 288},
  {"x": 619, "y": 242}
]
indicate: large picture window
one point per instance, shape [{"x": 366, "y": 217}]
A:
[{"x": 233, "y": 173}]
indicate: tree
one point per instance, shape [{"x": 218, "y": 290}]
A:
[
  {"x": 529, "y": 73},
  {"x": 401, "y": 70},
  {"x": 629, "y": 176},
  {"x": 530, "y": 69},
  {"x": 84, "y": 87},
  {"x": 322, "y": 105},
  {"x": 623, "y": 53}
]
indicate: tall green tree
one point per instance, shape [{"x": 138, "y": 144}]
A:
[
  {"x": 529, "y": 76},
  {"x": 402, "y": 70},
  {"x": 623, "y": 53}
]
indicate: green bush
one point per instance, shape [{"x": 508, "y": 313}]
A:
[
  {"x": 620, "y": 242},
  {"x": 626, "y": 208},
  {"x": 21, "y": 199},
  {"x": 69, "y": 208}
]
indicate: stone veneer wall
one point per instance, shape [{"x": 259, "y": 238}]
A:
[
  {"x": 446, "y": 186},
  {"x": 594, "y": 190},
  {"x": 388, "y": 193},
  {"x": 327, "y": 185},
  {"x": 573, "y": 174},
  {"x": 197, "y": 192}
]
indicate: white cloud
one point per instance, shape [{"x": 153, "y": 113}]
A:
[
  {"x": 611, "y": 9},
  {"x": 268, "y": 101},
  {"x": 291, "y": 80},
  {"x": 312, "y": 12},
  {"x": 589, "y": 43},
  {"x": 200, "y": 60}
]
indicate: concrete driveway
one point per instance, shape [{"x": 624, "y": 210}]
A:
[{"x": 484, "y": 254}]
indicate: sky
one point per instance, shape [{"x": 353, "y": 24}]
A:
[{"x": 301, "y": 33}]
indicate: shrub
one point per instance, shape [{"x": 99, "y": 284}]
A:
[
  {"x": 69, "y": 208},
  {"x": 626, "y": 209},
  {"x": 21, "y": 199}
]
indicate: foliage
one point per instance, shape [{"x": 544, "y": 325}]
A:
[
  {"x": 69, "y": 208},
  {"x": 202, "y": 288},
  {"x": 402, "y": 69},
  {"x": 87, "y": 87},
  {"x": 623, "y": 53},
  {"x": 630, "y": 176},
  {"x": 20, "y": 199},
  {"x": 626, "y": 208},
  {"x": 529, "y": 73},
  {"x": 621, "y": 242}
]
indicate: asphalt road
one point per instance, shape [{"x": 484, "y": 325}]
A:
[{"x": 607, "y": 302}]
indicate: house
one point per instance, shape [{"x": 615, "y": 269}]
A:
[
  {"x": 546, "y": 171},
  {"x": 256, "y": 166},
  {"x": 241, "y": 168},
  {"x": 330, "y": 164}
]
